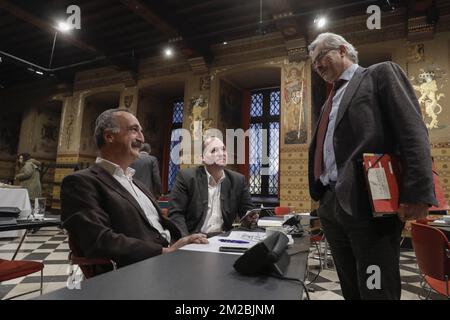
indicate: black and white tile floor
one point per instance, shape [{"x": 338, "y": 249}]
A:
[{"x": 50, "y": 246}]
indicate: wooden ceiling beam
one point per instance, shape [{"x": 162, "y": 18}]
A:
[
  {"x": 287, "y": 24},
  {"x": 189, "y": 48},
  {"x": 151, "y": 17}
]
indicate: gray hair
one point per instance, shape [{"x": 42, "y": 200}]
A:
[
  {"x": 333, "y": 41},
  {"x": 106, "y": 121}
]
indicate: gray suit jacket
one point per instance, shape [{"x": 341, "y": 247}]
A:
[
  {"x": 147, "y": 172},
  {"x": 188, "y": 203},
  {"x": 379, "y": 113}
]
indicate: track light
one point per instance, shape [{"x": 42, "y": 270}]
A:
[
  {"x": 63, "y": 26},
  {"x": 168, "y": 52},
  {"x": 320, "y": 21},
  {"x": 39, "y": 72}
]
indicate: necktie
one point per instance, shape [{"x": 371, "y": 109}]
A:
[{"x": 322, "y": 130}]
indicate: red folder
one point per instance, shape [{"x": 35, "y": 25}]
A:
[{"x": 383, "y": 176}]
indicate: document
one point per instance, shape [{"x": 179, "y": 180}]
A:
[
  {"x": 242, "y": 239},
  {"x": 237, "y": 239},
  {"x": 384, "y": 180},
  {"x": 378, "y": 183}
]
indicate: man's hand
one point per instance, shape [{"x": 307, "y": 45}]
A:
[
  {"x": 250, "y": 221},
  {"x": 193, "y": 238},
  {"x": 412, "y": 211}
]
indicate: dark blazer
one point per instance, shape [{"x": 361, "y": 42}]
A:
[
  {"x": 379, "y": 113},
  {"x": 147, "y": 172},
  {"x": 106, "y": 221},
  {"x": 188, "y": 203}
]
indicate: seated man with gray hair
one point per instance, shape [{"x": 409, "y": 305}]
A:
[{"x": 107, "y": 213}]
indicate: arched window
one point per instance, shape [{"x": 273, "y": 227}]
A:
[{"x": 264, "y": 142}]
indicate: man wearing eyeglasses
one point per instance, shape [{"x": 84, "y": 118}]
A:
[{"x": 369, "y": 110}]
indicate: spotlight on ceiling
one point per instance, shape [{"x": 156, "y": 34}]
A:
[
  {"x": 320, "y": 21},
  {"x": 63, "y": 26},
  {"x": 168, "y": 52},
  {"x": 225, "y": 43}
]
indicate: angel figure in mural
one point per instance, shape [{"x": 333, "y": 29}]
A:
[
  {"x": 69, "y": 128},
  {"x": 198, "y": 105},
  {"x": 429, "y": 97},
  {"x": 294, "y": 117}
]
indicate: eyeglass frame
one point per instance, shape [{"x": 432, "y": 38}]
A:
[{"x": 320, "y": 56}]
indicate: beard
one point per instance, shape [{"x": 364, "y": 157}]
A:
[{"x": 136, "y": 144}]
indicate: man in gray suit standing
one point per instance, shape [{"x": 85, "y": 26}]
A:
[
  {"x": 147, "y": 170},
  {"x": 371, "y": 110}
]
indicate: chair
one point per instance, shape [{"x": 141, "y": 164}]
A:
[
  {"x": 87, "y": 265},
  {"x": 12, "y": 269},
  {"x": 407, "y": 227},
  {"x": 281, "y": 211},
  {"x": 432, "y": 251}
]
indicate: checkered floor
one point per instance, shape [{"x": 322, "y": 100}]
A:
[{"x": 50, "y": 246}]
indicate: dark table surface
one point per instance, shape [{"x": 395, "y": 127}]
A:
[
  {"x": 189, "y": 275},
  {"x": 49, "y": 221}
]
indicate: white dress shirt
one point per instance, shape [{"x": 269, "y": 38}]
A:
[
  {"x": 126, "y": 180},
  {"x": 213, "y": 220},
  {"x": 329, "y": 159}
]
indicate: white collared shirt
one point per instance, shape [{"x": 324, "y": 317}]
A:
[
  {"x": 330, "y": 172},
  {"x": 213, "y": 220},
  {"x": 126, "y": 180}
]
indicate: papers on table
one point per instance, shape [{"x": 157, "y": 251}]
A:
[
  {"x": 270, "y": 222},
  {"x": 250, "y": 239},
  {"x": 442, "y": 221}
]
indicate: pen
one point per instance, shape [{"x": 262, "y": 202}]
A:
[{"x": 233, "y": 241}]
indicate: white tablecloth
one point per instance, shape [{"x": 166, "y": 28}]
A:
[{"x": 15, "y": 198}]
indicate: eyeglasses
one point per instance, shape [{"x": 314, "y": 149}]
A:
[{"x": 320, "y": 56}]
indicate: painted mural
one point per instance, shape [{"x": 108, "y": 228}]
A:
[
  {"x": 294, "y": 92},
  {"x": 198, "y": 122},
  {"x": 429, "y": 85}
]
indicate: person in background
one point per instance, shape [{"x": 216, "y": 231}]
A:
[
  {"x": 147, "y": 170},
  {"x": 29, "y": 175}
]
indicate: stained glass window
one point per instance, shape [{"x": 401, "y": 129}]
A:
[
  {"x": 175, "y": 139},
  {"x": 264, "y": 142}
]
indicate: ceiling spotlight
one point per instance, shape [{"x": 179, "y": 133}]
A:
[
  {"x": 63, "y": 26},
  {"x": 39, "y": 72},
  {"x": 168, "y": 52},
  {"x": 225, "y": 43},
  {"x": 320, "y": 22}
]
